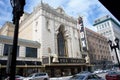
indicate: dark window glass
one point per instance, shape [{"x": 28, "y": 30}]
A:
[
  {"x": 31, "y": 52},
  {"x": 61, "y": 44},
  {"x": 8, "y": 49}
]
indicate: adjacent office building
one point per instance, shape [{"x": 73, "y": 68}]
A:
[{"x": 110, "y": 28}]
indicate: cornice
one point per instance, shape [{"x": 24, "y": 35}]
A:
[
  {"x": 49, "y": 9},
  {"x": 27, "y": 43}
]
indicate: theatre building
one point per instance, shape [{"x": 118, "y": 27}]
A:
[{"x": 56, "y": 37}]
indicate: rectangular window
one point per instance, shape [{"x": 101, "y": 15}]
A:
[
  {"x": 108, "y": 24},
  {"x": 31, "y": 52},
  {"x": 8, "y": 49}
]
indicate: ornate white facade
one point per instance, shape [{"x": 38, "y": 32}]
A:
[
  {"x": 44, "y": 24},
  {"x": 59, "y": 40}
]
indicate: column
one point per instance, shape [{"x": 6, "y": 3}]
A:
[
  {"x": 22, "y": 51},
  {"x": 69, "y": 47},
  {"x": 56, "y": 46},
  {"x": 1, "y": 49}
]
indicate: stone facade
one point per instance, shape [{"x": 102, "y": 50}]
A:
[
  {"x": 98, "y": 49},
  {"x": 58, "y": 37},
  {"x": 43, "y": 25},
  {"x": 7, "y": 29}
]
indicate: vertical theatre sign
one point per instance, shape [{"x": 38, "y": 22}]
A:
[{"x": 82, "y": 33}]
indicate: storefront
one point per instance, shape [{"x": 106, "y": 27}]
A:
[
  {"x": 65, "y": 66},
  {"x": 23, "y": 68}
]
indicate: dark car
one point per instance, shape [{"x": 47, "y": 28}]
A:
[
  {"x": 113, "y": 75},
  {"x": 85, "y": 76}
]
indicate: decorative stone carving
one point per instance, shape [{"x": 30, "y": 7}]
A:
[
  {"x": 55, "y": 58},
  {"x": 87, "y": 59}
]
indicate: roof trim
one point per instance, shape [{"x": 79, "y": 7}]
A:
[
  {"x": 23, "y": 42},
  {"x": 107, "y": 20}
]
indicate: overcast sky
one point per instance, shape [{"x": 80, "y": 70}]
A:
[{"x": 89, "y": 9}]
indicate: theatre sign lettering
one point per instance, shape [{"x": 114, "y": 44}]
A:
[
  {"x": 71, "y": 60},
  {"x": 63, "y": 60}
]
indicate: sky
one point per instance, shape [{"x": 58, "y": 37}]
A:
[{"x": 90, "y": 10}]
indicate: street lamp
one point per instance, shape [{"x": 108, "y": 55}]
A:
[
  {"x": 18, "y": 6},
  {"x": 115, "y": 48}
]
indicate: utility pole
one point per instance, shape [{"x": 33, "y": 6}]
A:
[{"x": 18, "y": 6}]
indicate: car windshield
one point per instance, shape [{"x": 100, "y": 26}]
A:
[
  {"x": 80, "y": 77},
  {"x": 37, "y": 74},
  {"x": 17, "y": 76},
  {"x": 30, "y": 75},
  {"x": 93, "y": 77},
  {"x": 85, "y": 72}
]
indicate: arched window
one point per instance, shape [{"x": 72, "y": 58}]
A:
[{"x": 61, "y": 42}]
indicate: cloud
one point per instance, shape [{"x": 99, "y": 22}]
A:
[
  {"x": 30, "y": 4},
  {"x": 89, "y": 9}
]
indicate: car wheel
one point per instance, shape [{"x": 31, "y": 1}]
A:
[{"x": 45, "y": 79}]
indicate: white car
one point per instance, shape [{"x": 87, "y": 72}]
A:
[
  {"x": 98, "y": 71},
  {"x": 37, "y": 76}
]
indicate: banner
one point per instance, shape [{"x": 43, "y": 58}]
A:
[{"x": 82, "y": 34}]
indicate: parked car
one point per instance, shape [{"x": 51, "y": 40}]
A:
[
  {"x": 85, "y": 76},
  {"x": 85, "y": 72},
  {"x": 17, "y": 77},
  {"x": 113, "y": 75},
  {"x": 106, "y": 70},
  {"x": 98, "y": 71},
  {"x": 37, "y": 76}
]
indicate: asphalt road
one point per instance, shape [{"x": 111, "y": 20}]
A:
[
  {"x": 102, "y": 75},
  {"x": 67, "y": 77}
]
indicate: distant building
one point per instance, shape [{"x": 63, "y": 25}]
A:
[
  {"x": 98, "y": 50},
  {"x": 110, "y": 28},
  {"x": 7, "y": 29}
]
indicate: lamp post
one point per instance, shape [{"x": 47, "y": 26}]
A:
[
  {"x": 18, "y": 6},
  {"x": 115, "y": 48}
]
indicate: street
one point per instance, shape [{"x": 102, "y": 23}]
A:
[
  {"x": 102, "y": 75},
  {"x": 67, "y": 77}
]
